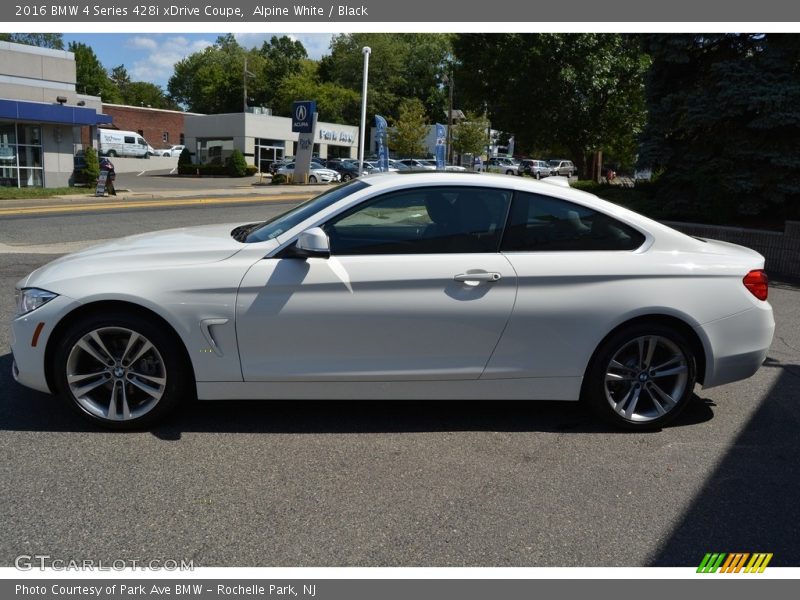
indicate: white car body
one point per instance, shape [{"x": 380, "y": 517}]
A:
[
  {"x": 315, "y": 174},
  {"x": 173, "y": 151},
  {"x": 463, "y": 325}
]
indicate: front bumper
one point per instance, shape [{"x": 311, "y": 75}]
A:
[{"x": 28, "y": 348}]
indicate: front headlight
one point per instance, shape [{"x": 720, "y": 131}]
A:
[{"x": 29, "y": 299}]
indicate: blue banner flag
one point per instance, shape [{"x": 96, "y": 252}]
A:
[
  {"x": 383, "y": 143},
  {"x": 440, "y": 146}
]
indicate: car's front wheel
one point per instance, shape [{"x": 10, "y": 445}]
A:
[
  {"x": 312, "y": 179},
  {"x": 120, "y": 370},
  {"x": 641, "y": 377},
  {"x": 347, "y": 177}
]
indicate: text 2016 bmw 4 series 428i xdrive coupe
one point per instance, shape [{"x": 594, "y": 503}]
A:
[{"x": 426, "y": 285}]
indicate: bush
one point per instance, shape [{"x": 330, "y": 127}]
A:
[
  {"x": 215, "y": 170},
  {"x": 185, "y": 158},
  {"x": 236, "y": 164},
  {"x": 278, "y": 179},
  {"x": 91, "y": 169}
]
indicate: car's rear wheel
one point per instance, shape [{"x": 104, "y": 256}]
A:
[
  {"x": 509, "y": 172},
  {"x": 538, "y": 175},
  {"x": 111, "y": 153},
  {"x": 641, "y": 377},
  {"x": 120, "y": 370},
  {"x": 347, "y": 177}
]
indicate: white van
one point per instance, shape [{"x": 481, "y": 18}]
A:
[{"x": 123, "y": 143}]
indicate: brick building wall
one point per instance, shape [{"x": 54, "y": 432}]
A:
[{"x": 152, "y": 123}]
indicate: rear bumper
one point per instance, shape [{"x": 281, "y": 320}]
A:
[{"x": 737, "y": 346}]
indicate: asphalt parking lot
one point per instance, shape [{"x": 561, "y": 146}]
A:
[{"x": 415, "y": 483}]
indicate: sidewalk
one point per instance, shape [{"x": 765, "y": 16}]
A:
[{"x": 123, "y": 195}]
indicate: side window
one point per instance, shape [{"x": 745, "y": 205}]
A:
[
  {"x": 544, "y": 224},
  {"x": 129, "y": 139},
  {"x": 141, "y": 142},
  {"x": 431, "y": 220}
]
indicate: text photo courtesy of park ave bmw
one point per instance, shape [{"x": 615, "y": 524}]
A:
[{"x": 317, "y": 304}]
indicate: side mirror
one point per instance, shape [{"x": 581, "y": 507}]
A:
[{"x": 312, "y": 243}]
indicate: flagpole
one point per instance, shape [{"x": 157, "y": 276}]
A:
[{"x": 366, "y": 51}]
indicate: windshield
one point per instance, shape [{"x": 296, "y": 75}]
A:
[{"x": 271, "y": 229}]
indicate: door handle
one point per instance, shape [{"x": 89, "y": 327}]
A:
[{"x": 475, "y": 278}]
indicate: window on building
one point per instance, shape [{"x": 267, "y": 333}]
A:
[
  {"x": 183, "y": 140},
  {"x": 21, "y": 159},
  {"x": 165, "y": 137}
]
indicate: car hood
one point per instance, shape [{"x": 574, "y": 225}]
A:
[{"x": 173, "y": 247}]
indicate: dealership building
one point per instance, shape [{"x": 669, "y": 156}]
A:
[
  {"x": 41, "y": 116},
  {"x": 262, "y": 138},
  {"x": 45, "y": 122}
]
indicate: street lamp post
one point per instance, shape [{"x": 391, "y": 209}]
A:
[{"x": 366, "y": 51}]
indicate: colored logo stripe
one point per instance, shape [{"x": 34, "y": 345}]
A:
[{"x": 734, "y": 562}]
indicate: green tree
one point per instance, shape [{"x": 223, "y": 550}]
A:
[
  {"x": 401, "y": 65},
  {"x": 335, "y": 103},
  {"x": 212, "y": 81},
  {"x": 54, "y": 41},
  {"x": 407, "y": 135},
  {"x": 284, "y": 57},
  {"x": 724, "y": 120},
  {"x": 470, "y": 135},
  {"x": 120, "y": 78},
  {"x": 91, "y": 76},
  {"x": 567, "y": 93}
]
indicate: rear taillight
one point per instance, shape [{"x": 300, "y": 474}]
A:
[{"x": 756, "y": 282}]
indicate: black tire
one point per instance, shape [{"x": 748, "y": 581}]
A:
[
  {"x": 538, "y": 175},
  {"x": 147, "y": 155},
  {"x": 630, "y": 393},
  {"x": 347, "y": 177},
  {"x": 111, "y": 153},
  {"x": 509, "y": 172},
  {"x": 312, "y": 179},
  {"x": 165, "y": 360}
]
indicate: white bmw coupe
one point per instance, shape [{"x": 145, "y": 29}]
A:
[{"x": 420, "y": 285}]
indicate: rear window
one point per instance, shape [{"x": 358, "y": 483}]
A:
[{"x": 541, "y": 223}]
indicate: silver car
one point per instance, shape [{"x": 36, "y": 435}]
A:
[{"x": 315, "y": 174}]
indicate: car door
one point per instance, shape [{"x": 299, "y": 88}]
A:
[{"x": 415, "y": 289}]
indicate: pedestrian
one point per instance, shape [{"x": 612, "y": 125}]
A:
[{"x": 107, "y": 166}]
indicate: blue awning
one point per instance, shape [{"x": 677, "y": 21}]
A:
[{"x": 21, "y": 110}]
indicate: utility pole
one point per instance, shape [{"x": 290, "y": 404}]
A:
[{"x": 244, "y": 87}]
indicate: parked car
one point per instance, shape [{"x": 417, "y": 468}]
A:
[
  {"x": 535, "y": 168},
  {"x": 565, "y": 168},
  {"x": 502, "y": 164},
  {"x": 348, "y": 169},
  {"x": 417, "y": 164},
  {"x": 316, "y": 174},
  {"x": 438, "y": 285},
  {"x": 173, "y": 151}
]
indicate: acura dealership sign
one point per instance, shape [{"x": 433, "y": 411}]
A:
[{"x": 302, "y": 116}]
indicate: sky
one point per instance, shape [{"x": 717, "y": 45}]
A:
[{"x": 151, "y": 56}]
